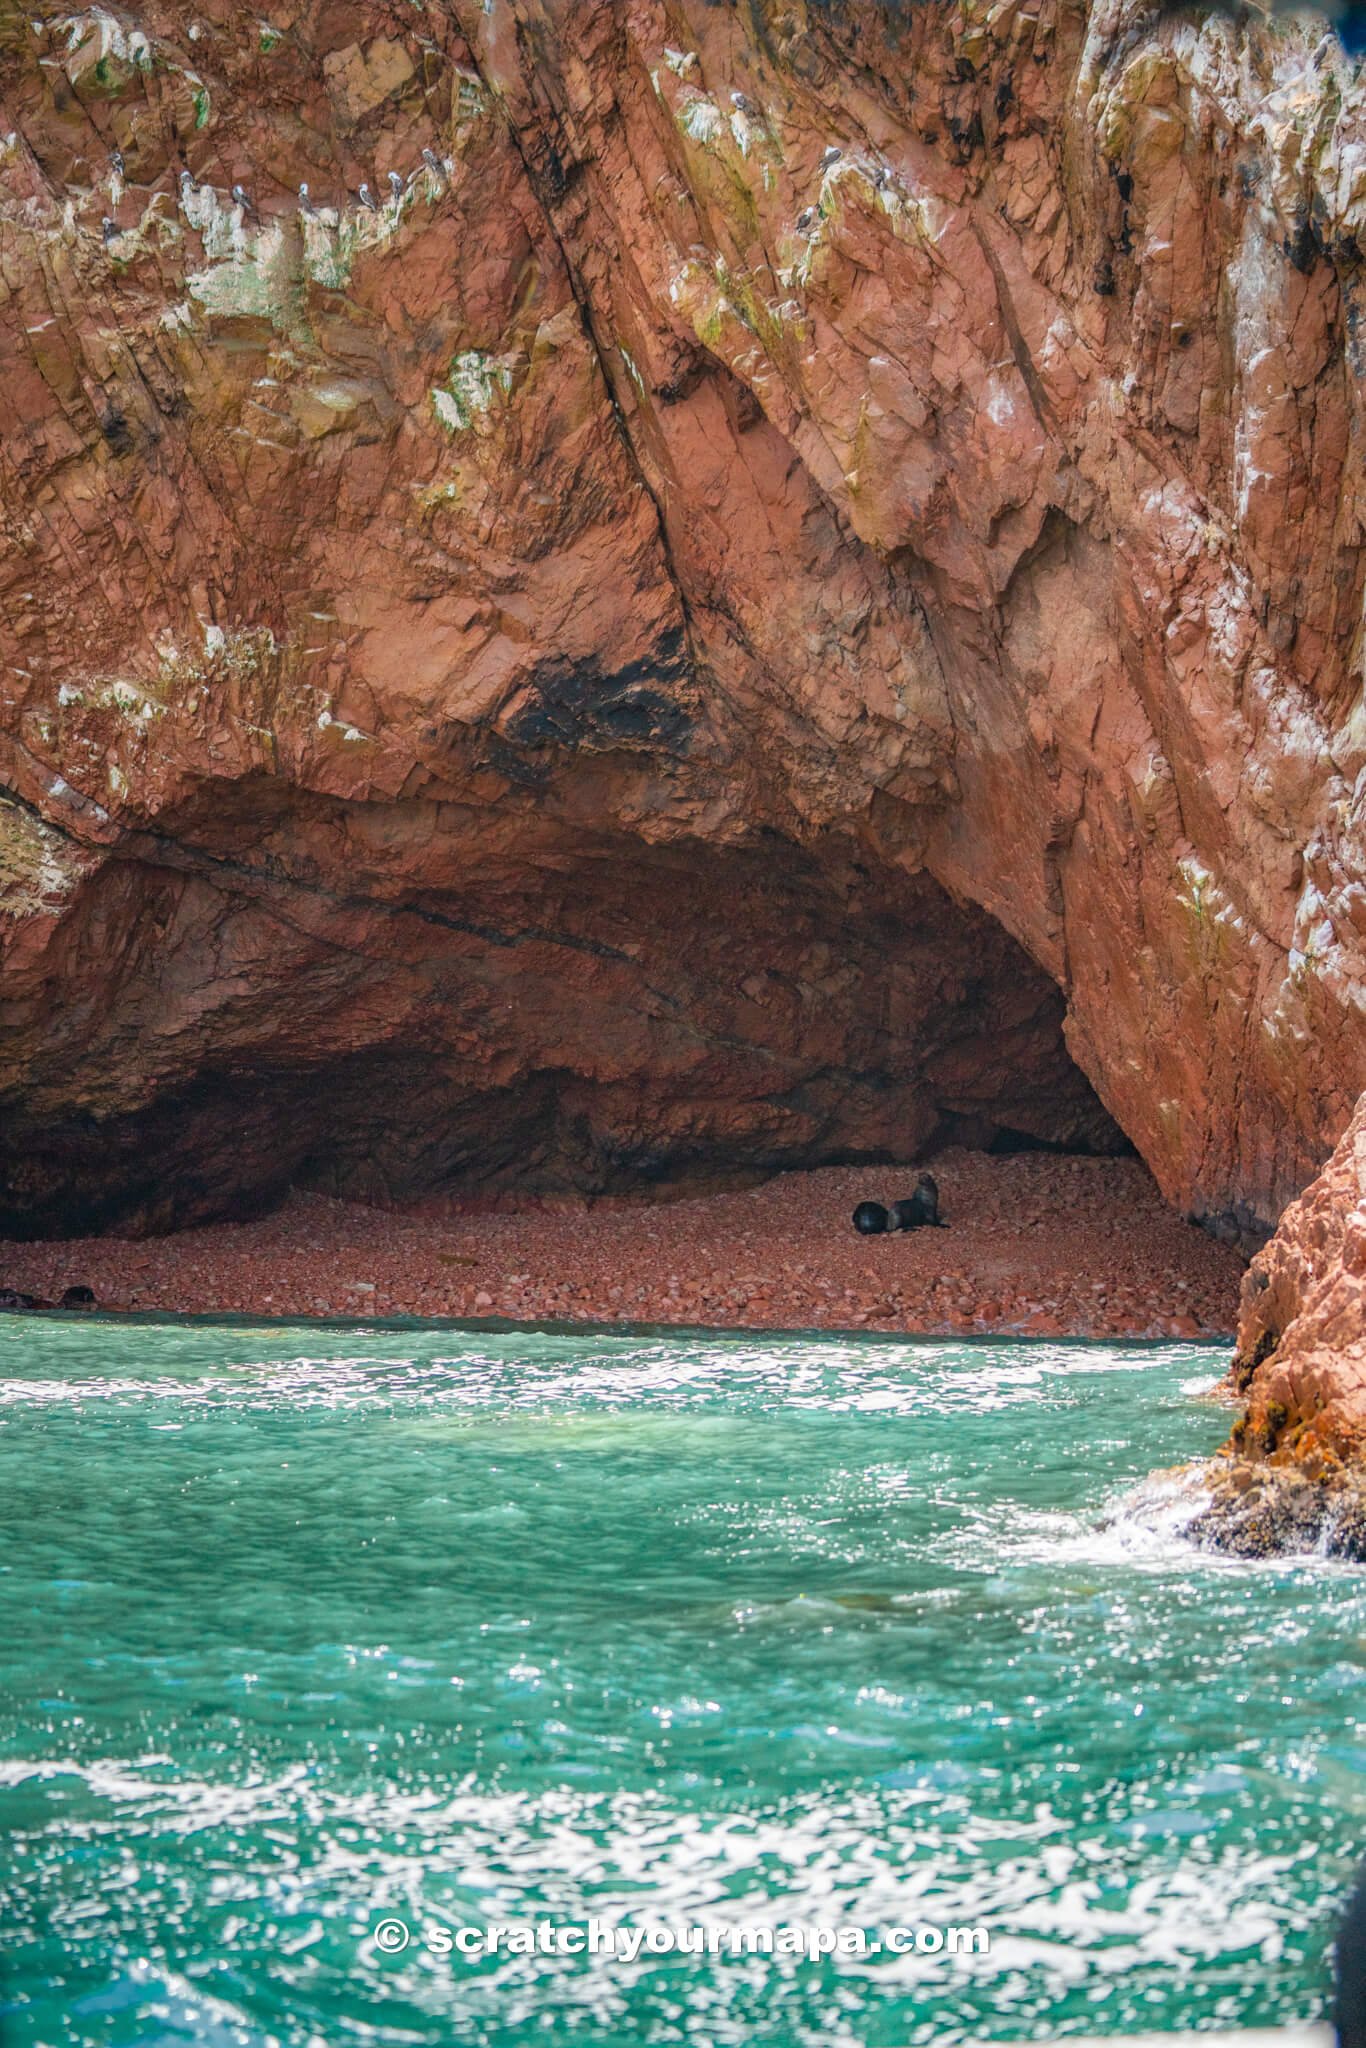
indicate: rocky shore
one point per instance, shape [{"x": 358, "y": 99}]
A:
[
  {"x": 1037, "y": 1243},
  {"x": 1292, "y": 1477}
]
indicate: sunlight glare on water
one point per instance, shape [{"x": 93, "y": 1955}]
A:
[{"x": 303, "y": 1627}]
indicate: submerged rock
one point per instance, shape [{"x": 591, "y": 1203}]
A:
[{"x": 1266, "y": 1511}]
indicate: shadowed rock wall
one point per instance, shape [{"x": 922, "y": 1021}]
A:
[{"x": 395, "y": 1001}]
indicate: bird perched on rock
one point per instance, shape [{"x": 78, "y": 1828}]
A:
[
  {"x": 367, "y": 199},
  {"x": 116, "y": 162},
  {"x": 832, "y": 156},
  {"x": 305, "y": 203},
  {"x": 111, "y": 229},
  {"x": 239, "y": 198},
  {"x": 186, "y": 188},
  {"x": 882, "y": 178},
  {"x": 433, "y": 163},
  {"x": 742, "y": 103},
  {"x": 395, "y": 185},
  {"x": 804, "y": 220}
]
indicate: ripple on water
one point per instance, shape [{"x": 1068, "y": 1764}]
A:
[{"x": 524, "y": 1626}]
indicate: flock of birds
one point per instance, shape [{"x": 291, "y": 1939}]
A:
[
  {"x": 365, "y": 198},
  {"x": 432, "y": 163},
  {"x": 806, "y": 219}
]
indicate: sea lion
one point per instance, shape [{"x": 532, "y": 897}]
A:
[
  {"x": 870, "y": 1219},
  {"x": 920, "y": 1210}
]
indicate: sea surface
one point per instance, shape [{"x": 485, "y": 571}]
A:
[{"x": 307, "y": 1630}]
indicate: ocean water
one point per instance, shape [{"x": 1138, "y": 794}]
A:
[{"x": 305, "y": 1630}]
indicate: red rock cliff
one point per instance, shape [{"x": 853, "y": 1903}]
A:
[
  {"x": 775, "y": 562},
  {"x": 1302, "y": 1331},
  {"x": 1294, "y": 1473}
]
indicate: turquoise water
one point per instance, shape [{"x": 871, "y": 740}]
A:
[{"x": 301, "y": 1629}]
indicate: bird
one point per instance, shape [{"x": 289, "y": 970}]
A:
[
  {"x": 433, "y": 163},
  {"x": 832, "y": 156},
  {"x": 186, "y": 187},
  {"x": 804, "y": 219},
  {"x": 305, "y": 203},
  {"x": 742, "y": 103},
  {"x": 883, "y": 178},
  {"x": 395, "y": 185},
  {"x": 111, "y": 229},
  {"x": 116, "y": 162},
  {"x": 367, "y": 199}
]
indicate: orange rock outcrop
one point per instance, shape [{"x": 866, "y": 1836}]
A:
[
  {"x": 1302, "y": 1328},
  {"x": 1291, "y": 1477}
]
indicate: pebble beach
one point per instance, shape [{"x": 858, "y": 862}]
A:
[{"x": 1036, "y": 1244}]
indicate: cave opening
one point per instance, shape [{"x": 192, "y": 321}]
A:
[{"x": 554, "y": 1014}]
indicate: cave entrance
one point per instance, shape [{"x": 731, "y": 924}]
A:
[{"x": 571, "y": 1015}]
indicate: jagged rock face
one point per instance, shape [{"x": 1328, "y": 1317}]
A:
[
  {"x": 1294, "y": 1473},
  {"x": 1301, "y": 1356},
  {"x": 656, "y": 646}
]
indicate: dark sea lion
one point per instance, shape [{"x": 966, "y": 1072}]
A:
[
  {"x": 870, "y": 1219},
  {"x": 920, "y": 1210},
  {"x": 78, "y": 1297}
]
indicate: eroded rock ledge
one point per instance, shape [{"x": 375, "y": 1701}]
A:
[{"x": 795, "y": 580}]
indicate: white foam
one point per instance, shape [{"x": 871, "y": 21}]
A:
[{"x": 1256, "y": 2037}]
